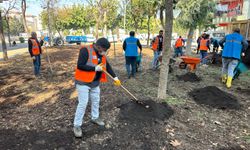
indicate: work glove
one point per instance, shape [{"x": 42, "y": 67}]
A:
[
  {"x": 34, "y": 58},
  {"x": 117, "y": 82},
  {"x": 99, "y": 67}
]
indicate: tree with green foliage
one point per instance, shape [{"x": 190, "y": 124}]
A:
[
  {"x": 150, "y": 11},
  {"x": 10, "y": 5},
  {"x": 101, "y": 9},
  {"x": 80, "y": 18},
  {"x": 16, "y": 26},
  {"x": 194, "y": 13},
  {"x": 177, "y": 28},
  {"x": 135, "y": 14}
]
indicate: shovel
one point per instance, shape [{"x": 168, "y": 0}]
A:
[{"x": 125, "y": 89}]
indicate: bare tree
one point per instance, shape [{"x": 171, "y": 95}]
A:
[
  {"x": 23, "y": 7},
  {"x": 4, "y": 47},
  {"x": 162, "y": 89},
  {"x": 98, "y": 13},
  {"x": 101, "y": 9},
  {"x": 11, "y": 5}
]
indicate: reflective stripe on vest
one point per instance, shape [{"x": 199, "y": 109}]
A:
[
  {"x": 35, "y": 47},
  {"x": 89, "y": 76},
  {"x": 90, "y": 59},
  {"x": 234, "y": 41},
  {"x": 203, "y": 44}
]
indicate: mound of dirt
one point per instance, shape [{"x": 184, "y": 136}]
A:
[
  {"x": 244, "y": 91},
  {"x": 214, "y": 97},
  {"x": 189, "y": 77},
  {"x": 133, "y": 112}
]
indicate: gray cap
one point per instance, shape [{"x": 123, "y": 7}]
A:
[{"x": 103, "y": 42}]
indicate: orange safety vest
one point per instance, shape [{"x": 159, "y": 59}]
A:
[
  {"x": 178, "y": 43},
  {"x": 203, "y": 44},
  {"x": 35, "y": 47},
  {"x": 89, "y": 76},
  {"x": 155, "y": 44}
]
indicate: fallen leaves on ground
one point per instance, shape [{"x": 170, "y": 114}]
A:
[{"x": 175, "y": 143}]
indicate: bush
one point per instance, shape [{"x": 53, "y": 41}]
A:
[{"x": 21, "y": 39}]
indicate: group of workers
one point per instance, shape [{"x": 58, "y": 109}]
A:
[{"x": 92, "y": 66}]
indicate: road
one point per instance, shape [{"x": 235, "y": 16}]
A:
[
  {"x": 19, "y": 49},
  {"x": 18, "y": 46}
]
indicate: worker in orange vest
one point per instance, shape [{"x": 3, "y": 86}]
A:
[
  {"x": 178, "y": 46},
  {"x": 203, "y": 47},
  {"x": 157, "y": 45},
  {"x": 35, "y": 51},
  {"x": 88, "y": 75}
]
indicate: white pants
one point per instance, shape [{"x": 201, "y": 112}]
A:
[
  {"x": 84, "y": 93},
  {"x": 229, "y": 66}
]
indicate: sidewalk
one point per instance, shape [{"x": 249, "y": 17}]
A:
[{"x": 13, "y": 53}]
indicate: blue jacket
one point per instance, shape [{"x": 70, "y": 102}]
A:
[
  {"x": 131, "y": 46},
  {"x": 234, "y": 44}
]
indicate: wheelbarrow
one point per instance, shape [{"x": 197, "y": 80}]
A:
[
  {"x": 190, "y": 62},
  {"x": 241, "y": 68},
  {"x": 138, "y": 63}
]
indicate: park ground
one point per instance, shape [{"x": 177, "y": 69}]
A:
[{"x": 37, "y": 113}]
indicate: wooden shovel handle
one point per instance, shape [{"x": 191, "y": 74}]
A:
[{"x": 125, "y": 89}]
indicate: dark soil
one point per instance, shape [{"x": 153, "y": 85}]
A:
[
  {"x": 231, "y": 148},
  {"x": 214, "y": 97},
  {"x": 244, "y": 91},
  {"x": 134, "y": 112},
  {"x": 189, "y": 77}
]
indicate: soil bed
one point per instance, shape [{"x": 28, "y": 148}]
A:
[
  {"x": 189, "y": 77},
  {"x": 134, "y": 112},
  {"x": 214, "y": 97}
]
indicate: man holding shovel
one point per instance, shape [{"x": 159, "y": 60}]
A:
[
  {"x": 89, "y": 73},
  {"x": 35, "y": 51}
]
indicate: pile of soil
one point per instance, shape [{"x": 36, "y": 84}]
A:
[
  {"x": 214, "y": 97},
  {"x": 134, "y": 112},
  {"x": 189, "y": 77},
  {"x": 244, "y": 91}
]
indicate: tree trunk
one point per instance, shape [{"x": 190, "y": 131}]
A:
[
  {"x": 163, "y": 80},
  {"x": 49, "y": 23},
  {"x": 148, "y": 30},
  {"x": 24, "y": 16},
  {"x": 4, "y": 47},
  {"x": 161, "y": 16},
  {"x": 8, "y": 30},
  {"x": 189, "y": 41},
  {"x": 105, "y": 24},
  {"x": 96, "y": 30},
  {"x": 118, "y": 32},
  {"x": 113, "y": 42}
]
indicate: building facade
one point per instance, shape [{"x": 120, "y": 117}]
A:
[{"x": 233, "y": 13}]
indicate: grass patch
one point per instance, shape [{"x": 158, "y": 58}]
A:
[
  {"x": 174, "y": 101},
  {"x": 247, "y": 138}
]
